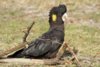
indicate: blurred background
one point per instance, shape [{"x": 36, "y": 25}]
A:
[{"x": 82, "y": 31}]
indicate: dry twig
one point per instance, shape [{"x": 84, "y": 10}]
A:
[
  {"x": 74, "y": 55},
  {"x": 61, "y": 51},
  {"x": 27, "y": 32}
]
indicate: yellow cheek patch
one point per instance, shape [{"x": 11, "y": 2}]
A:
[{"x": 54, "y": 17}]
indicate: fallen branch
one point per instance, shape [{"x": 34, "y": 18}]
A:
[
  {"x": 23, "y": 61},
  {"x": 30, "y": 61}
]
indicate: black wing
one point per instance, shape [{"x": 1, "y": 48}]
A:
[{"x": 38, "y": 48}]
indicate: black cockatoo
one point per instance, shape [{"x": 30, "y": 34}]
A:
[{"x": 47, "y": 45}]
